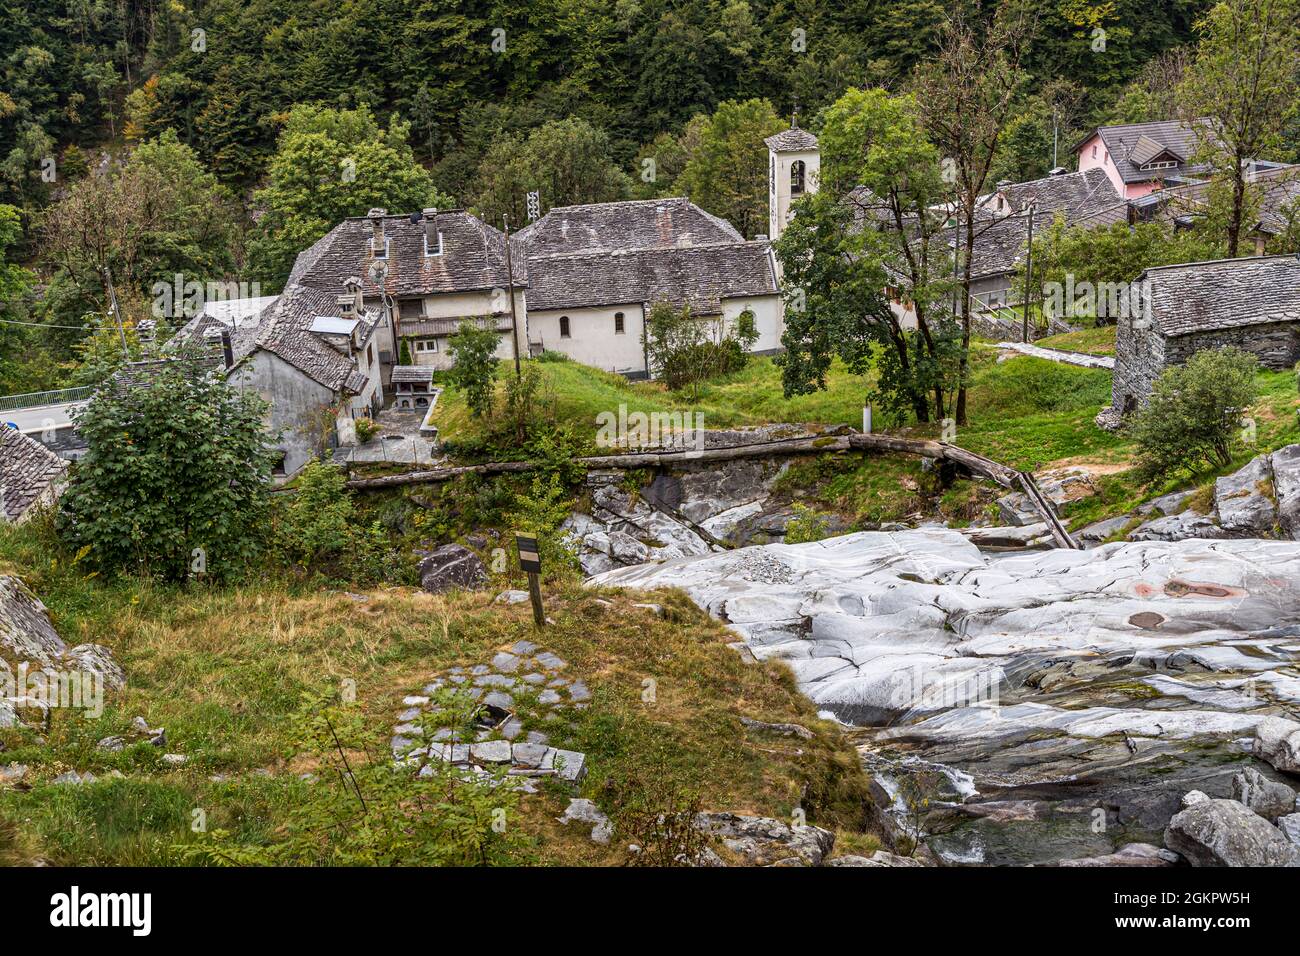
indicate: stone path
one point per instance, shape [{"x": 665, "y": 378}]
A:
[
  {"x": 520, "y": 680},
  {"x": 1060, "y": 355}
]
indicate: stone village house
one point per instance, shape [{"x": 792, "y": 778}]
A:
[{"x": 1252, "y": 303}]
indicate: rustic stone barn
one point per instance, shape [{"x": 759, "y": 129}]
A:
[{"x": 1252, "y": 303}]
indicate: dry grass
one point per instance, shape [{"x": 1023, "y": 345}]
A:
[{"x": 226, "y": 671}]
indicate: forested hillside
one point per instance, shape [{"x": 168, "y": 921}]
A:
[{"x": 466, "y": 73}]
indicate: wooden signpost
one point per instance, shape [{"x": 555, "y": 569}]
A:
[{"x": 530, "y": 561}]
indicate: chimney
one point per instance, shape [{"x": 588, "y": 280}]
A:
[
  {"x": 377, "y": 224},
  {"x": 347, "y": 305},
  {"x": 432, "y": 243},
  {"x": 227, "y": 350}
]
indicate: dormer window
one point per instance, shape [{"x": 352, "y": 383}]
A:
[
  {"x": 436, "y": 250},
  {"x": 378, "y": 248},
  {"x": 1160, "y": 164},
  {"x": 797, "y": 175}
]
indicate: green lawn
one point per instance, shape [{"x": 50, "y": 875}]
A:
[
  {"x": 578, "y": 393},
  {"x": 1094, "y": 341}
]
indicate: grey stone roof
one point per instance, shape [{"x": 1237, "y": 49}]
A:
[
  {"x": 616, "y": 226},
  {"x": 999, "y": 243},
  {"x": 641, "y": 251},
  {"x": 1278, "y": 190},
  {"x": 473, "y": 257},
  {"x": 698, "y": 276},
  {"x": 283, "y": 331},
  {"x": 27, "y": 469},
  {"x": 1134, "y": 144},
  {"x": 1076, "y": 195},
  {"x": 791, "y": 140},
  {"x": 1223, "y": 294},
  {"x": 412, "y": 373},
  {"x": 143, "y": 374}
]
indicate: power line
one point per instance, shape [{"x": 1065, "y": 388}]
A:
[{"x": 43, "y": 325}]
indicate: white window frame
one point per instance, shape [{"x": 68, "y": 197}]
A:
[
  {"x": 426, "y": 245},
  {"x": 424, "y": 345}
]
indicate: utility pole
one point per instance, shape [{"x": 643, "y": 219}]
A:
[
  {"x": 510, "y": 291},
  {"x": 117, "y": 314},
  {"x": 1055, "y": 132},
  {"x": 1029, "y": 276}
]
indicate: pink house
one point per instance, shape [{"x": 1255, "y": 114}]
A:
[{"x": 1141, "y": 157}]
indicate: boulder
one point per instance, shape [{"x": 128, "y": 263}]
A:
[
  {"x": 1225, "y": 833},
  {"x": 1286, "y": 486},
  {"x": 763, "y": 841},
  {"x": 879, "y": 858},
  {"x": 1131, "y": 854},
  {"x": 1102, "y": 530},
  {"x": 1057, "y": 487},
  {"x": 1277, "y": 740},
  {"x": 1242, "y": 503},
  {"x": 1289, "y": 826},
  {"x": 1268, "y": 798},
  {"x": 1167, "y": 505},
  {"x": 1016, "y": 536},
  {"x": 586, "y": 812},
  {"x": 451, "y": 566},
  {"x": 1177, "y": 527}
]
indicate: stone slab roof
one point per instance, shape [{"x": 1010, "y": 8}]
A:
[
  {"x": 472, "y": 257},
  {"x": 413, "y": 373},
  {"x": 698, "y": 276},
  {"x": 1136, "y": 143},
  {"x": 1076, "y": 195},
  {"x": 999, "y": 243},
  {"x": 1278, "y": 192},
  {"x": 27, "y": 470},
  {"x": 791, "y": 141},
  {"x": 283, "y": 330},
  {"x": 1223, "y": 294},
  {"x": 617, "y": 226},
  {"x": 143, "y": 374}
]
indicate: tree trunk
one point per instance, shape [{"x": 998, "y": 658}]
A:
[{"x": 1238, "y": 204}]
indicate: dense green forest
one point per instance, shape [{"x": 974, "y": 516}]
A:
[{"x": 268, "y": 120}]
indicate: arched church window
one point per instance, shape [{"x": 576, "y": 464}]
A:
[{"x": 796, "y": 177}]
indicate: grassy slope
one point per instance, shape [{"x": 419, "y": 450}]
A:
[
  {"x": 1094, "y": 341},
  {"x": 224, "y": 670},
  {"x": 579, "y": 393}
]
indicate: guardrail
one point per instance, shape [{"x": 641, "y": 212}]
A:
[{"x": 61, "y": 396}]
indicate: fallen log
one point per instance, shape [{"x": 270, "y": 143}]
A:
[
  {"x": 972, "y": 462},
  {"x": 658, "y": 459}
]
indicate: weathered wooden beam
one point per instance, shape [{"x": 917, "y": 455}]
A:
[
  {"x": 791, "y": 446},
  {"x": 975, "y": 463}
]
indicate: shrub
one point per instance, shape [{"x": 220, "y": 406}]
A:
[
  {"x": 1194, "y": 413},
  {"x": 367, "y": 428},
  {"x": 684, "y": 351},
  {"x": 473, "y": 350},
  {"x": 317, "y": 529},
  {"x": 807, "y": 525},
  {"x": 176, "y": 477}
]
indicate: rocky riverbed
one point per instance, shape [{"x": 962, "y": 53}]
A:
[{"x": 1041, "y": 706}]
